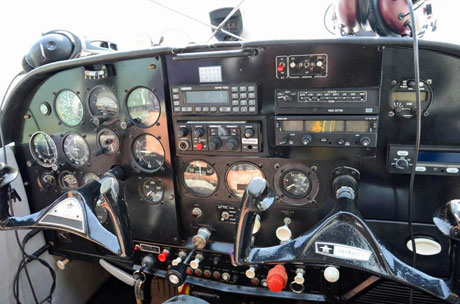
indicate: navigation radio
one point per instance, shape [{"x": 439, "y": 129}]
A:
[
  {"x": 238, "y": 99},
  {"x": 326, "y": 131}
]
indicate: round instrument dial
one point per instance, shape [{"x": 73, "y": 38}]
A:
[
  {"x": 67, "y": 180},
  {"x": 43, "y": 149},
  {"x": 89, "y": 177},
  {"x": 69, "y": 108},
  {"x": 148, "y": 153},
  {"x": 295, "y": 184},
  {"x": 143, "y": 107},
  {"x": 76, "y": 149},
  {"x": 200, "y": 178},
  {"x": 103, "y": 103},
  {"x": 151, "y": 190},
  {"x": 108, "y": 141},
  {"x": 239, "y": 175},
  {"x": 47, "y": 181}
]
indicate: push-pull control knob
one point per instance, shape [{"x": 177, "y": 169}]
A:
[
  {"x": 402, "y": 164},
  {"x": 299, "y": 277},
  {"x": 331, "y": 274},
  {"x": 182, "y": 132},
  {"x": 196, "y": 262},
  {"x": 198, "y": 132},
  {"x": 251, "y": 272},
  {"x": 179, "y": 259},
  {"x": 162, "y": 257},
  {"x": 277, "y": 278},
  {"x": 215, "y": 143},
  {"x": 232, "y": 143}
]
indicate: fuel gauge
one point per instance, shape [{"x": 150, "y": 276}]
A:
[{"x": 47, "y": 181}]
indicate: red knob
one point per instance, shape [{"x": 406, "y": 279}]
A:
[
  {"x": 199, "y": 146},
  {"x": 163, "y": 256},
  {"x": 277, "y": 278},
  {"x": 281, "y": 67},
  {"x": 189, "y": 270}
]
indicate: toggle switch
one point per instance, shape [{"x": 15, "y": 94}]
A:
[
  {"x": 251, "y": 272},
  {"x": 299, "y": 277}
]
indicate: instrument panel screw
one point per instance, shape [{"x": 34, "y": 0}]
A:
[
  {"x": 394, "y": 82},
  {"x": 314, "y": 168},
  {"x": 152, "y": 66},
  {"x": 277, "y": 166},
  {"x": 27, "y": 116},
  {"x": 337, "y": 172},
  {"x": 171, "y": 197},
  {"x": 429, "y": 81},
  {"x": 391, "y": 113},
  {"x": 26, "y": 184},
  {"x": 426, "y": 113}
]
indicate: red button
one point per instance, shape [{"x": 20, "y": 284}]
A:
[
  {"x": 189, "y": 270},
  {"x": 281, "y": 67},
  {"x": 199, "y": 146},
  {"x": 277, "y": 278},
  {"x": 163, "y": 256}
]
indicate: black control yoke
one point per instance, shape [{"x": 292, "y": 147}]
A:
[
  {"x": 341, "y": 238},
  {"x": 74, "y": 212}
]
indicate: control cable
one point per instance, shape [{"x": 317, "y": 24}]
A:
[
  {"x": 413, "y": 29},
  {"x": 26, "y": 258}
]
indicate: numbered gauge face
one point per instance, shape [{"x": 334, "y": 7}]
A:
[
  {"x": 295, "y": 184},
  {"x": 67, "y": 180},
  {"x": 43, "y": 149},
  {"x": 47, "y": 181},
  {"x": 69, "y": 108},
  {"x": 239, "y": 175},
  {"x": 108, "y": 141},
  {"x": 103, "y": 103},
  {"x": 148, "y": 153},
  {"x": 76, "y": 149},
  {"x": 151, "y": 190},
  {"x": 90, "y": 177},
  {"x": 200, "y": 178},
  {"x": 143, "y": 107}
]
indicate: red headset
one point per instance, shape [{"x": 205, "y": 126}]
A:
[{"x": 384, "y": 17}]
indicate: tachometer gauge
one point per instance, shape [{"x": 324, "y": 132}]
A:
[
  {"x": 76, "y": 149},
  {"x": 43, "y": 149},
  {"x": 108, "y": 141},
  {"x": 143, "y": 107},
  {"x": 200, "y": 178},
  {"x": 148, "y": 153},
  {"x": 67, "y": 180},
  {"x": 151, "y": 190},
  {"x": 103, "y": 103},
  {"x": 295, "y": 184},
  {"x": 239, "y": 175},
  {"x": 69, "y": 108},
  {"x": 90, "y": 177},
  {"x": 47, "y": 181}
]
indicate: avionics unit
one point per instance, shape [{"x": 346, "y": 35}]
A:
[{"x": 326, "y": 131}]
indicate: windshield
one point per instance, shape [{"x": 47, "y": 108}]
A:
[{"x": 139, "y": 24}]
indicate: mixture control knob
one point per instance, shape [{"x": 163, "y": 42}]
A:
[
  {"x": 299, "y": 277},
  {"x": 251, "y": 272},
  {"x": 402, "y": 164},
  {"x": 196, "y": 262},
  {"x": 182, "y": 132},
  {"x": 232, "y": 143},
  {"x": 215, "y": 143},
  {"x": 365, "y": 141},
  {"x": 306, "y": 140},
  {"x": 277, "y": 278},
  {"x": 198, "y": 132},
  {"x": 249, "y": 132},
  {"x": 283, "y": 233}
]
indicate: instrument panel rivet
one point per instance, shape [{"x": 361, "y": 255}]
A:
[
  {"x": 276, "y": 166},
  {"x": 393, "y": 82},
  {"x": 27, "y": 116},
  {"x": 152, "y": 66},
  {"x": 26, "y": 183},
  {"x": 391, "y": 113},
  {"x": 171, "y": 197}
]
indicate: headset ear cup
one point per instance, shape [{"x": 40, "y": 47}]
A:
[
  {"x": 26, "y": 66},
  {"x": 376, "y": 22}
]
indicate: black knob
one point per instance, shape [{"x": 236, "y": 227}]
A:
[
  {"x": 126, "y": 124},
  {"x": 411, "y": 83},
  {"x": 287, "y": 98},
  {"x": 365, "y": 141},
  {"x": 341, "y": 141},
  {"x": 232, "y": 143},
  {"x": 284, "y": 140},
  {"x": 182, "y": 132},
  {"x": 248, "y": 133},
  {"x": 198, "y": 132},
  {"x": 177, "y": 274},
  {"x": 402, "y": 164},
  {"x": 215, "y": 143},
  {"x": 306, "y": 140}
]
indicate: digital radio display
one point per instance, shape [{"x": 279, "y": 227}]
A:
[
  {"x": 408, "y": 96},
  {"x": 206, "y": 97},
  {"x": 327, "y": 126},
  {"x": 439, "y": 157}
]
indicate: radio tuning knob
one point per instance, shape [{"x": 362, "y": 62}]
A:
[
  {"x": 306, "y": 140},
  {"x": 402, "y": 164},
  {"x": 198, "y": 132},
  {"x": 232, "y": 143},
  {"x": 215, "y": 143},
  {"x": 182, "y": 132},
  {"x": 287, "y": 98},
  {"x": 365, "y": 141},
  {"x": 249, "y": 132},
  {"x": 284, "y": 140}
]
